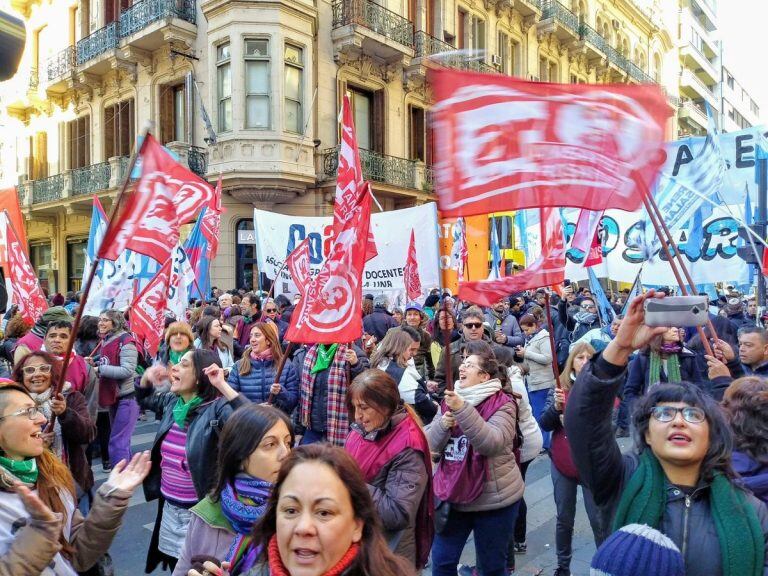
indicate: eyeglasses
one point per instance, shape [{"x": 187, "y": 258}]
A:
[
  {"x": 43, "y": 369},
  {"x": 270, "y": 310},
  {"x": 587, "y": 306},
  {"x": 690, "y": 414},
  {"x": 473, "y": 325},
  {"x": 470, "y": 365},
  {"x": 31, "y": 413},
  {"x": 104, "y": 320}
]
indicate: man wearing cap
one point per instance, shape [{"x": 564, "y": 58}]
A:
[
  {"x": 734, "y": 310},
  {"x": 414, "y": 317},
  {"x": 506, "y": 330},
  {"x": 33, "y": 341}
]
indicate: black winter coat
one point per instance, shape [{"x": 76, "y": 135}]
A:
[{"x": 605, "y": 471}]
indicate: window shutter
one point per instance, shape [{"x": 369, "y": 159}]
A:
[
  {"x": 379, "y": 125},
  {"x": 166, "y": 113}
]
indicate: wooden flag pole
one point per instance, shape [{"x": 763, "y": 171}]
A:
[
  {"x": 447, "y": 347},
  {"x": 551, "y": 330},
  {"x": 279, "y": 371},
  {"x": 271, "y": 289}
]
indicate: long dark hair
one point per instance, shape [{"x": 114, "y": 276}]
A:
[
  {"x": 718, "y": 456},
  {"x": 204, "y": 333},
  {"x": 242, "y": 434},
  {"x": 746, "y": 408},
  {"x": 201, "y": 359},
  {"x": 375, "y": 558}
]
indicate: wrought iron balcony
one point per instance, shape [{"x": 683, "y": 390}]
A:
[
  {"x": 429, "y": 178},
  {"x": 376, "y": 167},
  {"x": 48, "y": 189},
  {"x": 589, "y": 34},
  {"x": 561, "y": 15},
  {"x": 145, "y": 12},
  {"x": 123, "y": 167},
  {"x": 197, "y": 160},
  {"x": 637, "y": 73},
  {"x": 101, "y": 41},
  {"x": 90, "y": 179},
  {"x": 426, "y": 45},
  {"x": 370, "y": 15},
  {"x": 61, "y": 63}
]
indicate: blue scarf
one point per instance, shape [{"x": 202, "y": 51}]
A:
[{"x": 243, "y": 505}]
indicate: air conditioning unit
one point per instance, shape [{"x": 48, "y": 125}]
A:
[{"x": 496, "y": 60}]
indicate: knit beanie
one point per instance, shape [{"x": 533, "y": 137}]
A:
[
  {"x": 53, "y": 314},
  {"x": 637, "y": 550}
]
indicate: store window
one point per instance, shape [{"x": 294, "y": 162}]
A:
[
  {"x": 246, "y": 270},
  {"x": 76, "y": 263}
]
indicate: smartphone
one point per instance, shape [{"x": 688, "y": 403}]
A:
[{"x": 679, "y": 311}]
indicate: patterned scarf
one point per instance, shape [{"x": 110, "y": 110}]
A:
[
  {"x": 43, "y": 401},
  {"x": 337, "y": 417},
  {"x": 277, "y": 568},
  {"x": 263, "y": 355},
  {"x": 243, "y": 505},
  {"x": 654, "y": 369},
  {"x": 742, "y": 546}
]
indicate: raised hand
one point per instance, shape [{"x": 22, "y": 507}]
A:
[
  {"x": 129, "y": 476},
  {"x": 633, "y": 334},
  {"x": 215, "y": 374}
]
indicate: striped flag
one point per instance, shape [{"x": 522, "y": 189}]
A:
[
  {"x": 634, "y": 292},
  {"x": 495, "y": 273}
]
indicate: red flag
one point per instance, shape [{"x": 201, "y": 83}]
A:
[
  {"x": 165, "y": 196},
  {"x": 9, "y": 201},
  {"x": 211, "y": 223},
  {"x": 22, "y": 284},
  {"x": 298, "y": 265},
  {"x": 148, "y": 310},
  {"x": 507, "y": 144},
  {"x": 411, "y": 271},
  {"x": 349, "y": 178},
  {"x": 330, "y": 310},
  {"x": 547, "y": 270},
  {"x": 595, "y": 254},
  {"x": 765, "y": 261}
]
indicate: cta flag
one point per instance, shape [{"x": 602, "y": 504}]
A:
[
  {"x": 349, "y": 178},
  {"x": 165, "y": 196},
  {"x": 411, "y": 271},
  {"x": 547, "y": 270},
  {"x": 148, "y": 310},
  {"x": 20, "y": 280},
  {"x": 506, "y": 144},
  {"x": 298, "y": 263},
  {"x": 329, "y": 312}
]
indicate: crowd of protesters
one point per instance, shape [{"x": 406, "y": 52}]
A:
[{"x": 383, "y": 455}]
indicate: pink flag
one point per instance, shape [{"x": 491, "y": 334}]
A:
[
  {"x": 298, "y": 265},
  {"x": 21, "y": 282},
  {"x": 547, "y": 270},
  {"x": 329, "y": 312},
  {"x": 349, "y": 178},
  {"x": 148, "y": 310},
  {"x": 411, "y": 271},
  {"x": 586, "y": 237},
  {"x": 165, "y": 196}
]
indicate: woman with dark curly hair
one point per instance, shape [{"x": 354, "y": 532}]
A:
[{"x": 746, "y": 408}]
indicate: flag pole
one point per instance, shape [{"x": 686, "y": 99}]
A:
[
  {"x": 551, "y": 330},
  {"x": 447, "y": 344},
  {"x": 89, "y": 282},
  {"x": 279, "y": 372},
  {"x": 272, "y": 288}
]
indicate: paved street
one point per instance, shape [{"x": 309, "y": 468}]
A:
[{"x": 130, "y": 546}]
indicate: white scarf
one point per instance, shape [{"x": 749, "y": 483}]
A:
[
  {"x": 43, "y": 401},
  {"x": 476, "y": 393}
]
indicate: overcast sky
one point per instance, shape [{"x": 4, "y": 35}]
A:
[{"x": 742, "y": 27}]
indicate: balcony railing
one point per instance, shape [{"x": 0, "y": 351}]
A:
[
  {"x": 101, "y": 41},
  {"x": 61, "y": 63},
  {"x": 197, "y": 160},
  {"x": 697, "y": 81},
  {"x": 589, "y": 34},
  {"x": 561, "y": 14},
  {"x": 145, "y": 12},
  {"x": 47, "y": 189},
  {"x": 90, "y": 179},
  {"x": 429, "y": 178},
  {"x": 426, "y": 45},
  {"x": 377, "y": 167},
  {"x": 374, "y": 17}
]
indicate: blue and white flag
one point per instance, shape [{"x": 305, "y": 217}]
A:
[
  {"x": 495, "y": 252},
  {"x": 634, "y": 292},
  {"x": 99, "y": 223},
  {"x": 603, "y": 304}
]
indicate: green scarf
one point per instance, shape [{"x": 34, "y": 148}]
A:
[
  {"x": 673, "y": 369},
  {"x": 181, "y": 410},
  {"x": 742, "y": 546},
  {"x": 24, "y": 470},
  {"x": 175, "y": 357},
  {"x": 324, "y": 358}
]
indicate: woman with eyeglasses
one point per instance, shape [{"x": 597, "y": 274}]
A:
[
  {"x": 477, "y": 478},
  {"x": 680, "y": 480},
  {"x": 41, "y": 530},
  {"x": 254, "y": 373},
  {"x": 271, "y": 313}
]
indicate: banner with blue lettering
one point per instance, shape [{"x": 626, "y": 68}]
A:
[{"x": 277, "y": 235}]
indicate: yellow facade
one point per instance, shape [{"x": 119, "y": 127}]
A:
[{"x": 271, "y": 75}]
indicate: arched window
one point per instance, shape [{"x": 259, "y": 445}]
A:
[{"x": 657, "y": 68}]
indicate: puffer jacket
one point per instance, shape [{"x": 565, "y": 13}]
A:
[
  {"x": 256, "y": 384},
  {"x": 538, "y": 355},
  {"x": 493, "y": 439},
  {"x": 508, "y": 326},
  {"x": 456, "y": 350},
  {"x": 687, "y": 519}
]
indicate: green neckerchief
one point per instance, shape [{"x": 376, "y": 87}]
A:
[
  {"x": 324, "y": 358},
  {"x": 654, "y": 369},
  {"x": 175, "y": 357},
  {"x": 181, "y": 410},
  {"x": 742, "y": 546},
  {"x": 24, "y": 470}
]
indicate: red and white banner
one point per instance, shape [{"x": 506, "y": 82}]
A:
[
  {"x": 349, "y": 178},
  {"x": 211, "y": 224},
  {"x": 148, "y": 310},
  {"x": 299, "y": 266},
  {"x": 586, "y": 237},
  {"x": 411, "y": 271},
  {"x": 329, "y": 312},
  {"x": 547, "y": 270},
  {"x": 20, "y": 279},
  {"x": 181, "y": 280},
  {"x": 165, "y": 196},
  {"x": 505, "y": 144}
]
